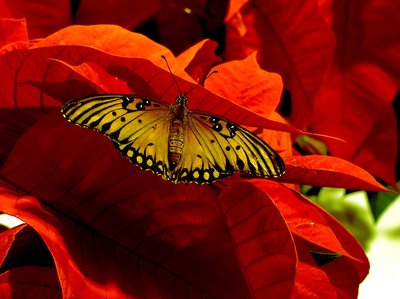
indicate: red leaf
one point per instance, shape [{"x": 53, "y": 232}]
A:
[
  {"x": 126, "y": 13},
  {"x": 108, "y": 224},
  {"x": 263, "y": 243},
  {"x": 198, "y": 59},
  {"x": 361, "y": 85},
  {"x": 35, "y": 281},
  {"x": 142, "y": 76},
  {"x": 329, "y": 172},
  {"x": 234, "y": 8},
  {"x": 124, "y": 225},
  {"x": 364, "y": 32},
  {"x": 309, "y": 222},
  {"x": 108, "y": 38},
  {"x": 180, "y": 24},
  {"x": 90, "y": 193},
  {"x": 6, "y": 240},
  {"x": 43, "y": 18},
  {"x": 281, "y": 142},
  {"x": 102, "y": 81},
  {"x": 322, "y": 287},
  {"x": 260, "y": 91},
  {"x": 12, "y": 31},
  {"x": 146, "y": 253},
  {"x": 13, "y": 125},
  {"x": 22, "y": 264},
  {"x": 292, "y": 39},
  {"x": 315, "y": 230},
  {"x": 330, "y": 280}
]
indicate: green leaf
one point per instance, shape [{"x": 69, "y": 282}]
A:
[
  {"x": 323, "y": 258},
  {"x": 379, "y": 202}
]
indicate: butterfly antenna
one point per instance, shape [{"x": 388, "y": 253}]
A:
[
  {"x": 172, "y": 74},
  {"x": 198, "y": 84}
]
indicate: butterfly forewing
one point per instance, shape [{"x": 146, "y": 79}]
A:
[
  {"x": 216, "y": 148},
  {"x": 138, "y": 127}
]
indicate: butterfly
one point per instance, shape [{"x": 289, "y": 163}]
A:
[{"x": 172, "y": 141}]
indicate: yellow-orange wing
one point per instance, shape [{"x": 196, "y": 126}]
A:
[
  {"x": 138, "y": 127},
  {"x": 215, "y": 148}
]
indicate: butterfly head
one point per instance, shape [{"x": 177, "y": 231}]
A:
[{"x": 182, "y": 99}]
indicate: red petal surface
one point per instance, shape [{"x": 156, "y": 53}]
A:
[
  {"x": 126, "y": 13},
  {"x": 199, "y": 59},
  {"x": 32, "y": 281},
  {"x": 181, "y": 24},
  {"x": 316, "y": 230},
  {"x": 260, "y": 91},
  {"x": 292, "y": 39},
  {"x": 20, "y": 261},
  {"x": 355, "y": 102},
  {"x": 99, "y": 79},
  {"x": 115, "y": 231},
  {"x": 11, "y": 31},
  {"x": 88, "y": 192},
  {"x": 136, "y": 254},
  {"x": 6, "y": 240},
  {"x": 329, "y": 172},
  {"x": 322, "y": 287},
  {"x": 43, "y": 18},
  {"x": 33, "y": 80},
  {"x": 262, "y": 240},
  {"x": 108, "y": 38},
  {"x": 234, "y": 7},
  {"x": 13, "y": 125}
]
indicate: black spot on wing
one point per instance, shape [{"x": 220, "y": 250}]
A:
[
  {"x": 198, "y": 175},
  {"x": 229, "y": 167},
  {"x": 232, "y": 129},
  {"x": 217, "y": 127},
  {"x": 214, "y": 119},
  {"x": 240, "y": 164},
  {"x": 126, "y": 101},
  {"x": 106, "y": 127},
  {"x": 145, "y": 162},
  {"x": 95, "y": 123},
  {"x": 140, "y": 106},
  {"x": 252, "y": 168}
]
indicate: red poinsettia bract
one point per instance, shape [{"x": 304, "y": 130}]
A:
[
  {"x": 106, "y": 229},
  {"x": 340, "y": 64}
]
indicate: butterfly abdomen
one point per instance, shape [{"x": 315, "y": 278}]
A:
[{"x": 175, "y": 142}]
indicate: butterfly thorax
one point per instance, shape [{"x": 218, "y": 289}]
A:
[{"x": 179, "y": 114}]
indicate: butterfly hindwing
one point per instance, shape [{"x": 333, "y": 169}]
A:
[
  {"x": 138, "y": 127},
  {"x": 216, "y": 148}
]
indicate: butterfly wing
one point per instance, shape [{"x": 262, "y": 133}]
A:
[
  {"x": 216, "y": 148},
  {"x": 138, "y": 127}
]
